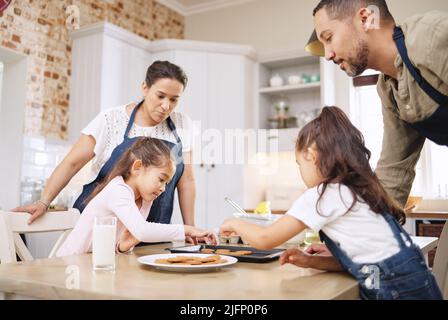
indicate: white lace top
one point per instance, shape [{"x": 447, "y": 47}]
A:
[{"x": 109, "y": 126}]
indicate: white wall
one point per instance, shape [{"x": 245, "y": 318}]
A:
[
  {"x": 273, "y": 24},
  {"x": 12, "y": 115},
  {"x": 1, "y": 79}
]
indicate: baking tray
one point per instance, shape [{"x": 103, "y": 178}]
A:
[{"x": 258, "y": 256}]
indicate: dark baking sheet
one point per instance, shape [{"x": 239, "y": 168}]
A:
[{"x": 258, "y": 256}]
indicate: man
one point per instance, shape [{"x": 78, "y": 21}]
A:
[{"x": 413, "y": 85}]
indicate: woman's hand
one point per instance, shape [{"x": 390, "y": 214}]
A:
[
  {"x": 80, "y": 154},
  {"x": 36, "y": 210},
  {"x": 296, "y": 257},
  {"x": 197, "y": 235},
  {"x": 127, "y": 241}
]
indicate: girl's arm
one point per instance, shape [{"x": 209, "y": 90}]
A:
[
  {"x": 264, "y": 238},
  {"x": 81, "y": 153},
  {"x": 120, "y": 200},
  {"x": 186, "y": 191},
  {"x": 128, "y": 241}
]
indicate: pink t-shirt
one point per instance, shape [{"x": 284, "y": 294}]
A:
[{"x": 117, "y": 199}]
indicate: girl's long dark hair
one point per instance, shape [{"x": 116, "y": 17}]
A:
[
  {"x": 343, "y": 158},
  {"x": 152, "y": 152}
]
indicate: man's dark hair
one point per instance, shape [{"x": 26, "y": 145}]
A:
[{"x": 343, "y": 9}]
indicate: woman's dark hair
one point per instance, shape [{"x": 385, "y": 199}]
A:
[
  {"x": 343, "y": 158},
  {"x": 152, "y": 152},
  {"x": 165, "y": 70}
]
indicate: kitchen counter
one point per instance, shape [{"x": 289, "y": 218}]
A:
[
  {"x": 54, "y": 279},
  {"x": 427, "y": 214}
]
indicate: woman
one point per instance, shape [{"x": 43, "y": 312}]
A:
[{"x": 112, "y": 132}]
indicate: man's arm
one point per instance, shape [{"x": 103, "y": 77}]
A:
[{"x": 400, "y": 153}]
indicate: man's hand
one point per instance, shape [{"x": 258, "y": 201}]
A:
[
  {"x": 296, "y": 257},
  {"x": 318, "y": 249}
]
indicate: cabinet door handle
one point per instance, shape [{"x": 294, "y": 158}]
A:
[
  {"x": 272, "y": 137},
  {"x": 202, "y": 165},
  {"x": 213, "y": 165}
]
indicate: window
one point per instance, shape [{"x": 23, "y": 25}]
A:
[{"x": 431, "y": 179}]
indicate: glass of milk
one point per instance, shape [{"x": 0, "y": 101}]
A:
[{"x": 103, "y": 243}]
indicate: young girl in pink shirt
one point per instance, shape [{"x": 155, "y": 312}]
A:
[{"x": 139, "y": 177}]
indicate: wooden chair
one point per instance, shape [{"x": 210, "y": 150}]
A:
[
  {"x": 13, "y": 224},
  {"x": 440, "y": 267}
]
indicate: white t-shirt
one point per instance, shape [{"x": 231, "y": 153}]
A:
[
  {"x": 109, "y": 126},
  {"x": 364, "y": 235}
]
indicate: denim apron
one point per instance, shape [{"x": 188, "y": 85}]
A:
[
  {"x": 403, "y": 276},
  {"x": 162, "y": 207},
  {"x": 435, "y": 127}
]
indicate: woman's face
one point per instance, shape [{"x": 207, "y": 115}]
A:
[{"x": 161, "y": 99}]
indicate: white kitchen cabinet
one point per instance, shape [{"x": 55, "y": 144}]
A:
[
  {"x": 218, "y": 98},
  {"x": 109, "y": 65},
  {"x": 300, "y": 97}
]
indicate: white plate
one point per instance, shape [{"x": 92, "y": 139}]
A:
[{"x": 150, "y": 261}]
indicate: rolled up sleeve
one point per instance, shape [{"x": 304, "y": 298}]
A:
[{"x": 400, "y": 153}]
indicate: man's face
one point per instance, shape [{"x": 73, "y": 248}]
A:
[{"x": 343, "y": 43}]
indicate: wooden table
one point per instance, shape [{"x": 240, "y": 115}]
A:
[{"x": 55, "y": 279}]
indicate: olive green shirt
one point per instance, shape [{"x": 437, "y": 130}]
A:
[{"x": 427, "y": 43}]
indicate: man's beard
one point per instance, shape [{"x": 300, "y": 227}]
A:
[{"x": 359, "y": 64}]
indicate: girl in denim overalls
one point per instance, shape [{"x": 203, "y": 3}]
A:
[{"x": 357, "y": 220}]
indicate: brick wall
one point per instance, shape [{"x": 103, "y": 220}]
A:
[{"x": 37, "y": 28}]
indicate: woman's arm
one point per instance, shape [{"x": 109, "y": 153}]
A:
[
  {"x": 264, "y": 238},
  {"x": 186, "y": 191},
  {"x": 81, "y": 153}
]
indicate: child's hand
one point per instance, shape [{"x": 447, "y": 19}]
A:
[
  {"x": 127, "y": 241},
  {"x": 228, "y": 228},
  {"x": 197, "y": 235},
  {"x": 296, "y": 257},
  {"x": 318, "y": 249}
]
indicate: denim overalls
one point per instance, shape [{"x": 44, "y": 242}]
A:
[
  {"x": 435, "y": 127},
  {"x": 162, "y": 207},
  {"x": 403, "y": 276}
]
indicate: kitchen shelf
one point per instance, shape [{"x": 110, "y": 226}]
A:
[
  {"x": 289, "y": 88},
  {"x": 303, "y": 99}
]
